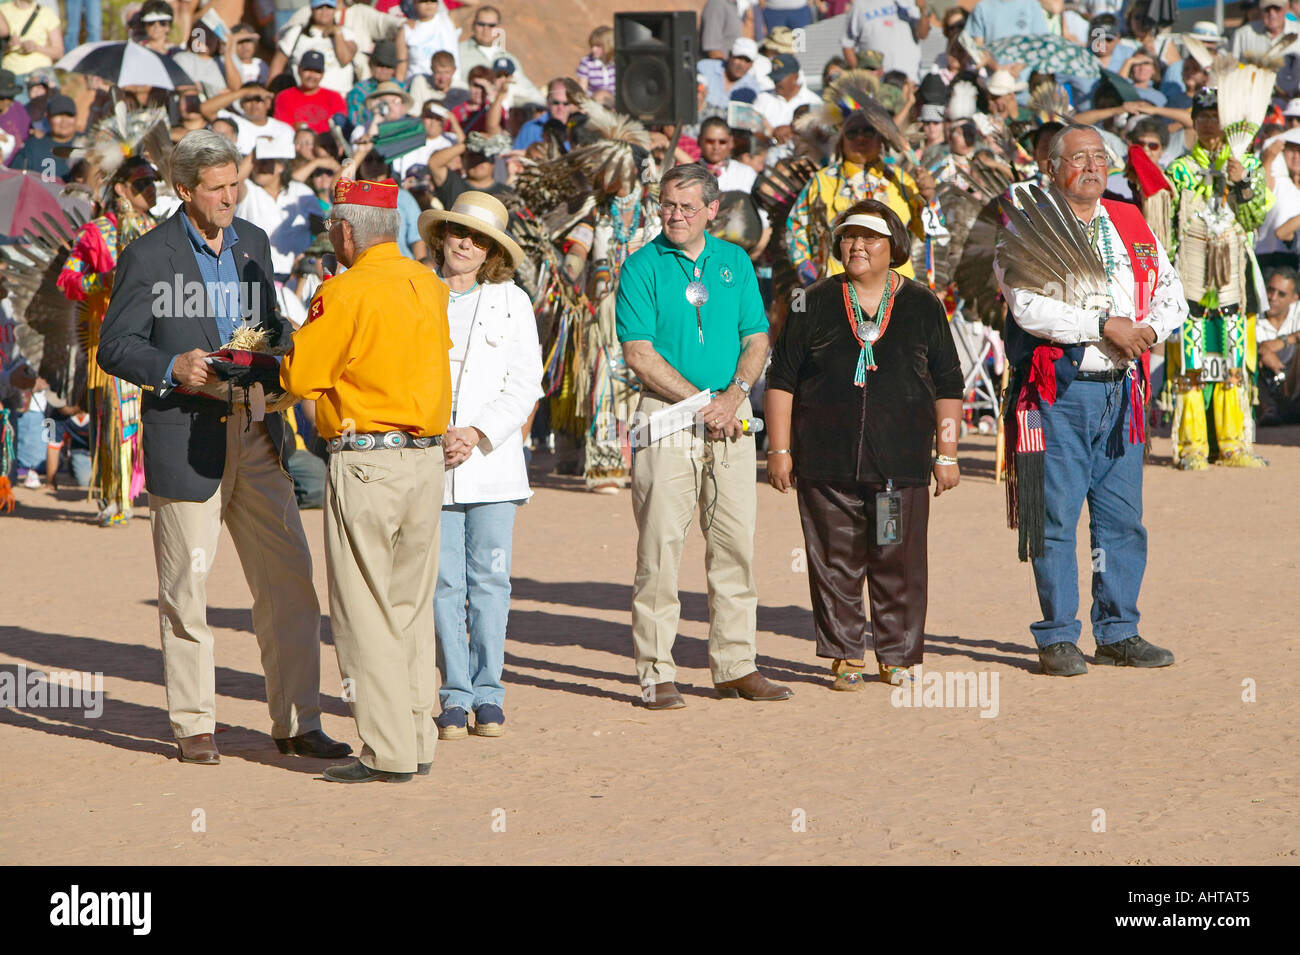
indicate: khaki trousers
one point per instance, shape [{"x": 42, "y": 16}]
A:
[
  {"x": 670, "y": 480},
  {"x": 383, "y": 511},
  {"x": 256, "y": 502}
]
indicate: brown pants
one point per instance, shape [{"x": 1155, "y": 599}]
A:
[{"x": 839, "y": 529}]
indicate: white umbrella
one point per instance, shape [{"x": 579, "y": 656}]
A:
[{"x": 125, "y": 64}]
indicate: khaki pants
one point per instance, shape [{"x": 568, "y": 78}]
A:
[
  {"x": 669, "y": 482},
  {"x": 383, "y": 511},
  {"x": 255, "y": 500}
]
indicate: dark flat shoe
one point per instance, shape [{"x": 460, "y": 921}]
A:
[
  {"x": 1062, "y": 659},
  {"x": 1133, "y": 652},
  {"x": 358, "y": 772},
  {"x": 315, "y": 744}
]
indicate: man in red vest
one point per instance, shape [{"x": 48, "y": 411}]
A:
[{"x": 1081, "y": 384}]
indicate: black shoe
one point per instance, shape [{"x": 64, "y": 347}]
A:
[
  {"x": 358, "y": 772},
  {"x": 422, "y": 769},
  {"x": 1062, "y": 659},
  {"x": 1133, "y": 652},
  {"x": 315, "y": 744}
]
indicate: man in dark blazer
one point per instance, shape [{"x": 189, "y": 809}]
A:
[{"x": 179, "y": 292}]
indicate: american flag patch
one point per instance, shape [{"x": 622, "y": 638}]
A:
[{"x": 1030, "y": 431}]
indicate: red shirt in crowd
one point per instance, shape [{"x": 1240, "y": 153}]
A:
[{"x": 292, "y": 105}]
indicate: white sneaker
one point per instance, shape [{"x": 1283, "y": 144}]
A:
[{"x": 33, "y": 480}]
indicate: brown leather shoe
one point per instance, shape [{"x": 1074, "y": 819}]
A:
[
  {"x": 201, "y": 749},
  {"x": 754, "y": 687},
  {"x": 662, "y": 696}
]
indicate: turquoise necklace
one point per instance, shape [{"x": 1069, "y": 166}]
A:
[{"x": 459, "y": 295}]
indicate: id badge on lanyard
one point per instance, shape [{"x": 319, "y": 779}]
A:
[{"x": 889, "y": 514}]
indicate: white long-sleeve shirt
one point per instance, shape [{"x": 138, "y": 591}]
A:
[{"x": 1067, "y": 324}]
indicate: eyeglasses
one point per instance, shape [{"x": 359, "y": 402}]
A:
[
  {"x": 1083, "y": 160},
  {"x": 670, "y": 209},
  {"x": 458, "y": 231},
  {"x": 557, "y": 102},
  {"x": 480, "y": 23}
]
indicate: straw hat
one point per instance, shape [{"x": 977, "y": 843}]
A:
[
  {"x": 389, "y": 88},
  {"x": 478, "y": 211}
]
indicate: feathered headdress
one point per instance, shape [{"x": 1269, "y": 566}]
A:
[
  {"x": 1245, "y": 94},
  {"x": 616, "y": 154},
  {"x": 853, "y": 91},
  {"x": 128, "y": 134}
]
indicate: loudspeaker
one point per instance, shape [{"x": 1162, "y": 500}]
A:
[{"x": 654, "y": 62}]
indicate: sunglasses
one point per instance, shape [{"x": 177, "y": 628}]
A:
[
  {"x": 486, "y": 26},
  {"x": 458, "y": 231},
  {"x": 1150, "y": 144}
]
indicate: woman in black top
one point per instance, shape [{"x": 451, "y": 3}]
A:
[{"x": 862, "y": 378}]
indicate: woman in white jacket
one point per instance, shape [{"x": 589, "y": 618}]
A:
[{"x": 496, "y": 379}]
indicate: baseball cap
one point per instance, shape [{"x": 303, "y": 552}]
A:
[
  {"x": 1292, "y": 108},
  {"x": 783, "y": 65},
  {"x": 871, "y": 60},
  {"x": 312, "y": 60},
  {"x": 436, "y": 109},
  {"x": 384, "y": 54},
  {"x": 1265, "y": 4},
  {"x": 504, "y": 65},
  {"x": 745, "y": 47},
  {"x": 60, "y": 105},
  {"x": 324, "y": 3}
]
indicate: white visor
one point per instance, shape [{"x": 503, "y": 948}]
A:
[{"x": 874, "y": 223}]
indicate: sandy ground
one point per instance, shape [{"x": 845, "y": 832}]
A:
[{"x": 1184, "y": 770}]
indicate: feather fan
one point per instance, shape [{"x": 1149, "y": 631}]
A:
[
  {"x": 1245, "y": 94},
  {"x": 1046, "y": 251},
  {"x": 1051, "y": 103}
]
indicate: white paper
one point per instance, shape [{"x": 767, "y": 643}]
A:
[{"x": 670, "y": 420}]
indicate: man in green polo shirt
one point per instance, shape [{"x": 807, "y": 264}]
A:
[{"x": 690, "y": 319}]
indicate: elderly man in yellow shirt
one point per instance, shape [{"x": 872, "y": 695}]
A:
[
  {"x": 858, "y": 173},
  {"x": 373, "y": 354}
]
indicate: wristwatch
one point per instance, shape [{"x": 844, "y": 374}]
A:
[{"x": 742, "y": 384}]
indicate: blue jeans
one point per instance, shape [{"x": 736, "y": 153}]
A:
[
  {"x": 94, "y": 23},
  {"x": 1083, "y": 461},
  {"x": 29, "y": 440},
  {"x": 794, "y": 19},
  {"x": 473, "y": 565}
]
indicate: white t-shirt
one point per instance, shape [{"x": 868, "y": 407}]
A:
[
  {"x": 250, "y": 132},
  {"x": 880, "y": 25},
  {"x": 425, "y": 38},
  {"x": 254, "y": 71},
  {"x": 284, "y": 220},
  {"x": 338, "y": 78},
  {"x": 779, "y": 111},
  {"x": 1286, "y": 205},
  {"x": 1265, "y": 332},
  {"x": 460, "y": 321},
  {"x": 419, "y": 155}
]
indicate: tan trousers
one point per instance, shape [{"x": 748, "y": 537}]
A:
[
  {"x": 669, "y": 483},
  {"x": 383, "y": 511},
  {"x": 256, "y": 502}
]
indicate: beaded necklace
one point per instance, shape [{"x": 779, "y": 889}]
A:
[
  {"x": 623, "y": 233},
  {"x": 1109, "y": 260},
  {"x": 868, "y": 332}
]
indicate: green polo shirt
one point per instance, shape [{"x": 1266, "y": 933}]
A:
[{"x": 652, "y": 307}]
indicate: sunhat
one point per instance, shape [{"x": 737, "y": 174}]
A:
[{"x": 478, "y": 211}]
